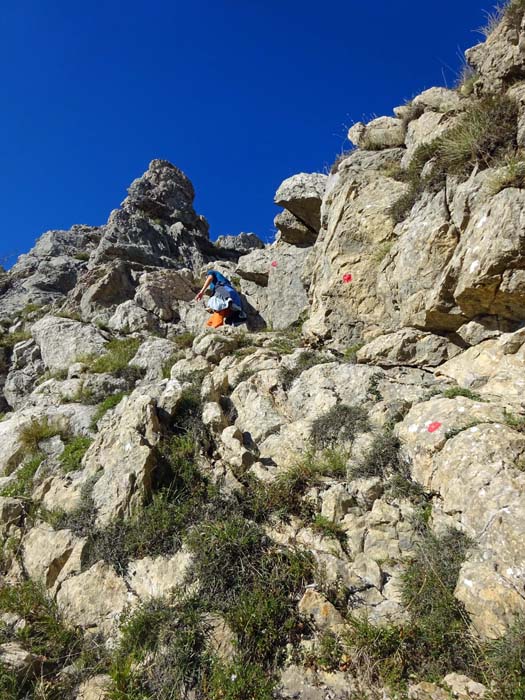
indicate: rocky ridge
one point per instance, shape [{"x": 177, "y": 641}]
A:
[{"x": 326, "y": 504}]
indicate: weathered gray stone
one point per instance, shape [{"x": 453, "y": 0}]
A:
[
  {"x": 293, "y": 230},
  {"x": 301, "y": 194},
  {"x": 383, "y": 132},
  {"x": 408, "y": 347},
  {"x": 76, "y": 340},
  {"x": 80, "y": 600},
  {"x": 124, "y": 455}
]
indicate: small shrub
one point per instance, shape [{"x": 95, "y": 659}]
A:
[
  {"x": 74, "y": 450},
  {"x": 488, "y": 129},
  {"x": 511, "y": 174},
  {"x": 184, "y": 340},
  {"x": 454, "y": 391},
  {"x": 350, "y": 354},
  {"x": 515, "y": 421},
  {"x": 174, "y": 633},
  {"x": 466, "y": 80},
  {"x": 341, "y": 424},
  {"x": 38, "y": 431},
  {"x": 284, "y": 496},
  {"x": 225, "y": 552},
  {"x": 106, "y": 405},
  {"x": 382, "y": 250},
  {"x": 239, "y": 681},
  {"x": 9, "y": 340},
  {"x": 340, "y": 158},
  {"x": 514, "y": 12},
  {"x": 381, "y": 458},
  {"x": 45, "y": 633},
  {"x": 81, "y": 520},
  {"x": 328, "y": 653},
  {"x": 166, "y": 367},
  {"x": 83, "y": 257},
  {"x": 83, "y": 395},
  {"x": 116, "y": 359},
  {"x": 327, "y": 528},
  {"x": 22, "y": 486},
  {"x": 505, "y": 664}
]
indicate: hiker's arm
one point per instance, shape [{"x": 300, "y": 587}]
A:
[{"x": 205, "y": 286}]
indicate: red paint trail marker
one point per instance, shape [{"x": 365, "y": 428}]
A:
[
  {"x": 274, "y": 263},
  {"x": 347, "y": 278},
  {"x": 436, "y": 425}
]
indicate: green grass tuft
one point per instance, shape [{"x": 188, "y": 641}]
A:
[
  {"x": 116, "y": 358},
  {"x": 106, "y": 405},
  {"x": 74, "y": 450}
]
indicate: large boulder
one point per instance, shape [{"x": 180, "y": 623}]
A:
[
  {"x": 383, "y": 132},
  {"x": 241, "y": 244},
  {"x": 123, "y": 456},
  {"x": 357, "y": 232},
  {"x": 408, "y": 347},
  {"x": 302, "y": 194},
  {"x": 293, "y": 230},
  {"x": 76, "y": 340}
]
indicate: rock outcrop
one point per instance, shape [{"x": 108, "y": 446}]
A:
[{"x": 324, "y": 504}]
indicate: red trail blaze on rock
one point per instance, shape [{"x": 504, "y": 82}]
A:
[
  {"x": 347, "y": 278},
  {"x": 274, "y": 263},
  {"x": 436, "y": 425}
]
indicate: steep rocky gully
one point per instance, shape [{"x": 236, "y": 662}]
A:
[{"x": 326, "y": 503}]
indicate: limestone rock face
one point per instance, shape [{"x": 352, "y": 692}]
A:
[
  {"x": 156, "y": 577},
  {"x": 80, "y": 600},
  {"x": 301, "y": 195},
  {"x": 462, "y": 450},
  {"x": 157, "y": 224},
  {"x": 162, "y": 291},
  {"x": 500, "y": 60},
  {"x": 492, "y": 368},
  {"x": 76, "y": 340},
  {"x": 46, "y": 552},
  {"x": 346, "y": 258},
  {"x": 124, "y": 456},
  {"x": 408, "y": 347},
  {"x": 49, "y": 270},
  {"x": 438, "y": 99}
]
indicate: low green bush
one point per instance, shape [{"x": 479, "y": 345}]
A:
[
  {"x": 284, "y": 496},
  {"x": 339, "y": 425},
  {"x": 382, "y": 458},
  {"x": 22, "y": 486},
  {"x": 74, "y": 450},
  {"x": 454, "y": 391},
  {"x": 116, "y": 358}
]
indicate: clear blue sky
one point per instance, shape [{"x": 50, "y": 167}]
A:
[{"x": 239, "y": 94}]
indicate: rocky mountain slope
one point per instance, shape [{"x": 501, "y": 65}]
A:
[{"x": 326, "y": 503}]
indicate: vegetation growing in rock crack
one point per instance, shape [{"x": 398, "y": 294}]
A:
[
  {"x": 53, "y": 645},
  {"x": 339, "y": 425},
  {"x": 116, "y": 358}
]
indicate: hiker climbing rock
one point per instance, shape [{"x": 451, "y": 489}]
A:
[{"x": 225, "y": 303}]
